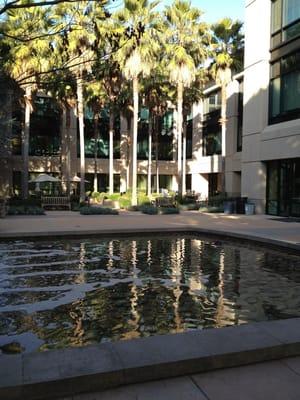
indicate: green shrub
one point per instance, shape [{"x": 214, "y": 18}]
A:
[
  {"x": 114, "y": 196},
  {"x": 25, "y": 210},
  {"x": 150, "y": 210},
  {"x": 31, "y": 201},
  {"x": 212, "y": 209},
  {"x": 97, "y": 211},
  {"x": 124, "y": 202},
  {"x": 168, "y": 210},
  {"x": 189, "y": 207},
  {"x": 143, "y": 199}
]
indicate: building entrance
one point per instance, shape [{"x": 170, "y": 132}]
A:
[{"x": 283, "y": 187}]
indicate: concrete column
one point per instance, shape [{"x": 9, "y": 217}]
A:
[
  {"x": 200, "y": 184},
  {"x": 256, "y": 84}
]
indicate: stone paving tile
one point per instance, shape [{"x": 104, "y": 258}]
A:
[
  {"x": 174, "y": 389},
  {"x": 293, "y": 363},
  {"x": 267, "y": 381}
]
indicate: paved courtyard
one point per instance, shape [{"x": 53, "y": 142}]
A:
[
  {"x": 276, "y": 380},
  {"x": 272, "y": 229}
]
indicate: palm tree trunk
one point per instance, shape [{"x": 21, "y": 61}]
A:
[
  {"x": 179, "y": 134},
  {"x": 96, "y": 138},
  {"x": 111, "y": 151},
  {"x": 134, "y": 141},
  {"x": 81, "y": 135},
  {"x": 184, "y": 159},
  {"x": 25, "y": 143},
  {"x": 156, "y": 155},
  {"x": 149, "y": 156}
]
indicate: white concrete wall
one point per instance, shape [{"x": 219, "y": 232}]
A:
[{"x": 256, "y": 84}]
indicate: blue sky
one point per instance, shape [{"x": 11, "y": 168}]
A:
[
  {"x": 214, "y": 9},
  {"x": 217, "y": 9}
]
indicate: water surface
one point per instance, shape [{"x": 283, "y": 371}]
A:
[{"x": 63, "y": 293}]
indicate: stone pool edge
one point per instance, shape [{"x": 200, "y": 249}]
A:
[
  {"x": 67, "y": 372},
  {"x": 254, "y": 238}
]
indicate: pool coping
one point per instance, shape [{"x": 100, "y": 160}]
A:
[
  {"x": 255, "y": 239},
  {"x": 59, "y": 373}
]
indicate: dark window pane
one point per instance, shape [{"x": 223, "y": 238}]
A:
[
  {"x": 291, "y": 91},
  {"x": 275, "y": 97}
]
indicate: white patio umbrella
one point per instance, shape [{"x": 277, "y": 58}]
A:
[
  {"x": 76, "y": 179},
  {"x": 44, "y": 178}
]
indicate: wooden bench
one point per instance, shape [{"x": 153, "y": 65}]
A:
[
  {"x": 56, "y": 201},
  {"x": 166, "y": 201}
]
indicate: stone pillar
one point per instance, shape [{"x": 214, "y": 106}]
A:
[{"x": 256, "y": 84}]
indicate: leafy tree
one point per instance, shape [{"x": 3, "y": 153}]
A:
[
  {"x": 228, "y": 44},
  {"x": 76, "y": 50},
  {"x": 187, "y": 40},
  {"x": 27, "y": 59},
  {"x": 138, "y": 48}
]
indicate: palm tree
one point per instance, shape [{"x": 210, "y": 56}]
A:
[
  {"x": 76, "y": 50},
  {"x": 25, "y": 61},
  {"x": 95, "y": 99},
  {"x": 228, "y": 43},
  {"x": 137, "y": 51},
  {"x": 187, "y": 41}
]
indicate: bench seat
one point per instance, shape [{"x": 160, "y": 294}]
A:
[{"x": 56, "y": 202}]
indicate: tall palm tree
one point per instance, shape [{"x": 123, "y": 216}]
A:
[
  {"x": 187, "y": 40},
  {"x": 76, "y": 50},
  {"x": 95, "y": 99},
  {"x": 24, "y": 62},
  {"x": 137, "y": 52},
  {"x": 228, "y": 44}
]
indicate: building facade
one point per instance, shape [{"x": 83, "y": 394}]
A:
[
  {"x": 271, "y": 126},
  {"x": 260, "y": 158}
]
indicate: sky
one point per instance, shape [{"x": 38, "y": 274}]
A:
[
  {"x": 217, "y": 9},
  {"x": 214, "y": 9}
]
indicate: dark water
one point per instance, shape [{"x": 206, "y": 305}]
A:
[{"x": 65, "y": 293}]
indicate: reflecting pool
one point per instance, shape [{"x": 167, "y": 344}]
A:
[{"x": 74, "y": 292}]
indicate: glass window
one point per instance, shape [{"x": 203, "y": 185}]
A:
[
  {"x": 272, "y": 188},
  {"x": 291, "y": 91},
  {"x": 275, "y": 97},
  {"x": 285, "y": 89},
  {"x": 291, "y": 11},
  {"x": 212, "y": 102}
]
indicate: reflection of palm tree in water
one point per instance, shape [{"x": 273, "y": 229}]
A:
[
  {"x": 77, "y": 312},
  {"x": 176, "y": 278},
  {"x": 135, "y": 316}
]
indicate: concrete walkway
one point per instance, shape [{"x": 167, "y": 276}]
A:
[
  {"x": 275, "y": 380},
  {"x": 263, "y": 227}
]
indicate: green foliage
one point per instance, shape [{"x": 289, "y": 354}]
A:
[
  {"x": 169, "y": 210},
  {"x": 211, "y": 209},
  {"x": 189, "y": 207},
  {"x": 97, "y": 211},
  {"x": 150, "y": 210},
  {"x": 98, "y": 196},
  {"x": 25, "y": 210},
  {"x": 31, "y": 201},
  {"x": 143, "y": 199}
]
